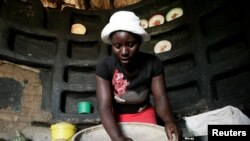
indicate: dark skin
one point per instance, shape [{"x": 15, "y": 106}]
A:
[{"x": 125, "y": 46}]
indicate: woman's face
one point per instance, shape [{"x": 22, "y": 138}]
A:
[{"x": 125, "y": 46}]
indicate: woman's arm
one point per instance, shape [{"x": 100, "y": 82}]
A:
[
  {"x": 163, "y": 106},
  {"x": 104, "y": 98}
]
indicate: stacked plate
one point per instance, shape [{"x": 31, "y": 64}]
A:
[
  {"x": 78, "y": 28},
  {"x": 162, "y": 46},
  {"x": 159, "y": 19},
  {"x": 174, "y": 14}
]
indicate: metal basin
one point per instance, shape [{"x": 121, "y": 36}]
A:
[{"x": 134, "y": 130}]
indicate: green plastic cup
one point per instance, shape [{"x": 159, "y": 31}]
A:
[{"x": 84, "y": 107}]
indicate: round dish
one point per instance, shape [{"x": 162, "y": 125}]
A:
[
  {"x": 144, "y": 23},
  {"x": 162, "y": 46},
  {"x": 156, "y": 20},
  {"x": 78, "y": 29},
  {"x": 174, "y": 14}
]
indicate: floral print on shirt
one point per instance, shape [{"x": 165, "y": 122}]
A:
[{"x": 119, "y": 83}]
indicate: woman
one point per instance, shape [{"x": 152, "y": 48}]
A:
[{"x": 125, "y": 79}]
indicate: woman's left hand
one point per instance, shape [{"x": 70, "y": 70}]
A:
[{"x": 172, "y": 131}]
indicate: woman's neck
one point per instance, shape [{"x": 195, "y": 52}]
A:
[{"x": 133, "y": 67}]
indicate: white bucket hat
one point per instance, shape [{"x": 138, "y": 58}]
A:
[{"x": 126, "y": 21}]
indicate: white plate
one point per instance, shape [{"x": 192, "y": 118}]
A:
[
  {"x": 162, "y": 46},
  {"x": 174, "y": 14},
  {"x": 78, "y": 29},
  {"x": 156, "y": 20},
  {"x": 144, "y": 23}
]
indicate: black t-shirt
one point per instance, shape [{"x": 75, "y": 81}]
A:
[{"x": 130, "y": 89}]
